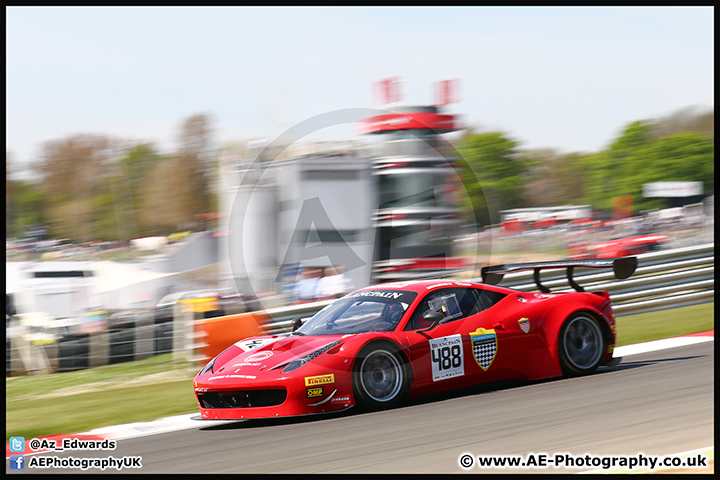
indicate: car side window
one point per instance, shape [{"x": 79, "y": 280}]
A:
[
  {"x": 455, "y": 303},
  {"x": 489, "y": 298}
]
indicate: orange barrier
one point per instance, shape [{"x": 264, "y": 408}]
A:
[{"x": 221, "y": 332}]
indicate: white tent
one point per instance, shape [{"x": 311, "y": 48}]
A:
[
  {"x": 111, "y": 276},
  {"x": 120, "y": 285}
]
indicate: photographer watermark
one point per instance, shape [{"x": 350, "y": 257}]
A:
[
  {"x": 629, "y": 463},
  {"x": 275, "y": 231}
]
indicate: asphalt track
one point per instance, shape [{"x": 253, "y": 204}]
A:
[{"x": 655, "y": 403}]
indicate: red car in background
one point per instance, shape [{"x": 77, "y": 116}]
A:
[
  {"x": 381, "y": 344},
  {"x": 619, "y": 247}
]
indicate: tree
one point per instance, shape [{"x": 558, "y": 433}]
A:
[
  {"x": 597, "y": 179},
  {"x": 687, "y": 156},
  {"x": 25, "y": 205},
  {"x": 553, "y": 179},
  {"x": 196, "y": 157},
  {"x": 133, "y": 171},
  {"x": 74, "y": 171},
  {"x": 177, "y": 188},
  {"x": 685, "y": 120},
  {"x": 493, "y": 175},
  {"x": 166, "y": 205}
]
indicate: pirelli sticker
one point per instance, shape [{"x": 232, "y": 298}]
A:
[
  {"x": 484, "y": 345},
  {"x": 319, "y": 380},
  {"x": 315, "y": 392}
]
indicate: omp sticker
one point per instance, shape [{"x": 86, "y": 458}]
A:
[
  {"x": 524, "y": 324},
  {"x": 447, "y": 357},
  {"x": 247, "y": 345},
  {"x": 484, "y": 344},
  {"x": 314, "y": 392},
  {"x": 611, "y": 348},
  {"x": 319, "y": 380}
]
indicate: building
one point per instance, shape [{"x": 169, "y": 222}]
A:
[
  {"x": 384, "y": 208},
  {"x": 417, "y": 211},
  {"x": 309, "y": 211}
]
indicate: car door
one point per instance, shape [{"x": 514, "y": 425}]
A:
[{"x": 462, "y": 349}]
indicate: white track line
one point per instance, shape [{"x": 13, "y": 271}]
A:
[
  {"x": 163, "y": 425},
  {"x": 659, "y": 345}
]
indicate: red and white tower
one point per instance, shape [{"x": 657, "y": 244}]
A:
[{"x": 416, "y": 180}]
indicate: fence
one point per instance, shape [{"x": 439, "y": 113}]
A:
[{"x": 662, "y": 280}]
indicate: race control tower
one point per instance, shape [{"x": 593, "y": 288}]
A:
[{"x": 417, "y": 190}]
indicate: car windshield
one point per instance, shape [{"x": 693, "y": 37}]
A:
[{"x": 359, "y": 312}]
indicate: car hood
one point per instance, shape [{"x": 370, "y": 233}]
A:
[{"x": 264, "y": 354}]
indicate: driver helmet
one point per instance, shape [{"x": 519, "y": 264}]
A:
[{"x": 394, "y": 313}]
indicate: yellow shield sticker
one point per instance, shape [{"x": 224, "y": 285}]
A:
[{"x": 484, "y": 343}]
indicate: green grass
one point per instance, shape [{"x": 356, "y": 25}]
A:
[
  {"x": 79, "y": 401},
  {"x": 646, "y": 327},
  {"x": 158, "y": 387}
]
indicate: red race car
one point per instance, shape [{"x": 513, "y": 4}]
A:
[{"x": 381, "y": 344}]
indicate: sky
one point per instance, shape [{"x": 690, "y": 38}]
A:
[{"x": 570, "y": 79}]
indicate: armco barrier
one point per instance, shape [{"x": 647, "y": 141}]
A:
[{"x": 663, "y": 279}]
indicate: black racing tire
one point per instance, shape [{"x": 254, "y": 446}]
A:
[
  {"x": 580, "y": 345},
  {"x": 380, "y": 377}
]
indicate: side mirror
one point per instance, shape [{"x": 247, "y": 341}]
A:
[
  {"x": 297, "y": 323},
  {"x": 434, "y": 318}
]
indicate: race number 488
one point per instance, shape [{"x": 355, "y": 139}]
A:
[{"x": 447, "y": 357}]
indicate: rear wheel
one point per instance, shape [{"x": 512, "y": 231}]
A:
[
  {"x": 380, "y": 377},
  {"x": 580, "y": 345}
]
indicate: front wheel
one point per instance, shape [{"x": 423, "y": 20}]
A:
[
  {"x": 380, "y": 377},
  {"x": 580, "y": 345}
]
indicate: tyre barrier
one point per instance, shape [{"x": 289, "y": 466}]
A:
[
  {"x": 121, "y": 343},
  {"x": 73, "y": 353},
  {"x": 163, "y": 338}
]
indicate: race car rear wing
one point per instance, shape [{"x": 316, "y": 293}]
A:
[{"x": 623, "y": 268}]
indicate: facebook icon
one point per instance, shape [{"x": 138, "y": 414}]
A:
[{"x": 17, "y": 462}]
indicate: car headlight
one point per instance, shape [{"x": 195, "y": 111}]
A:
[
  {"x": 295, "y": 364},
  {"x": 210, "y": 366}
]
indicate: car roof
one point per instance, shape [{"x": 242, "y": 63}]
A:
[{"x": 421, "y": 285}]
